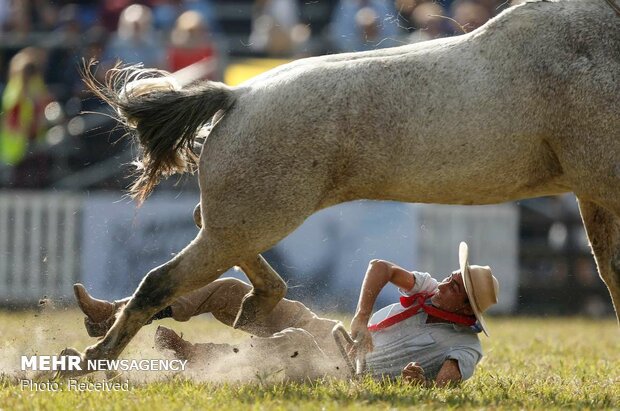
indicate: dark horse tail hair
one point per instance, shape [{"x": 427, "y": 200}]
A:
[{"x": 163, "y": 117}]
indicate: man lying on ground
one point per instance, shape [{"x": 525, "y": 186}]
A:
[{"x": 430, "y": 337}]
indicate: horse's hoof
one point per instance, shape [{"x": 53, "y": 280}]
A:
[
  {"x": 70, "y": 371},
  {"x": 93, "y": 353},
  {"x": 254, "y": 307}
]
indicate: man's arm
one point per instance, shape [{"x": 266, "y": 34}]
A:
[{"x": 379, "y": 273}]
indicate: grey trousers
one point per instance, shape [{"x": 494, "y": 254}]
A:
[{"x": 291, "y": 342}]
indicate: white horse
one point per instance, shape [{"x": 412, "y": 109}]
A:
[{"x": 525, "y": 106}]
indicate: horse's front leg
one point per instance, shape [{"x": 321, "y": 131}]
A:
[
  {"x": 268, "y": 289},
  {"x": 195, "y": 266},
  {"x": 155, "y": 291},
  {"x": 603, "y": 229}
]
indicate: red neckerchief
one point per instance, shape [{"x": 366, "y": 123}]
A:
[{"x": 413, "y": 304}]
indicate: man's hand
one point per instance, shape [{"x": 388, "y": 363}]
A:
[
  {"x": 449, "y": 374},
  {"x": 413, "y": 374},
  {"x": 361, "y": 335}
]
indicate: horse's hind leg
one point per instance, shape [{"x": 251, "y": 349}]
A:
[
  {"x": 268, "y": 289},
  {"x": 197, "y": 216},
  {"x": 603, "y": 229},
  {"x": 268, "y": 286}
]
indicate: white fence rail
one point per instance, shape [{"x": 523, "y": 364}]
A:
[
  {"x": 48, "y": 241},
  {"x": 491, "y": 232},
  {"x": 39, "y": 253}
]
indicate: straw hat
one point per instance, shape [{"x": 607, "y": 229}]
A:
[{"x": 481, "y": 286}]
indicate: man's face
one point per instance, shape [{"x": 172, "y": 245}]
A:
[{"x": 451, "y": 295}]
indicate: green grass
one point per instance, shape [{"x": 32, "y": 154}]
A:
[{"x": 555, "y": 363}]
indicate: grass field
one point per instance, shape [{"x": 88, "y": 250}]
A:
[{"x": 554, "y": 363}]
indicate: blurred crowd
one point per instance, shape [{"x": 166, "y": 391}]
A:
[{"x": 44, "y": 44}]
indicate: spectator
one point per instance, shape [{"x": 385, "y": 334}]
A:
[
  {"x": 88, "y": 13},
  {"x": 404, "y": 8},
  {"x": 95, "y": 40},
  {"x": 367, "y": 28},
  {"x": 18, "y": 20},
  {"x": 61, "y": 72},
  {"x": 94, "y": 44},
  {"x": 428, "y": 22},
  {"x": 191, "y": 42},
  {"x": 276, "y": 28},
  {"x": 135, "y": 41},
  {"x": 469, "y": 15},
  {"x": 494, "y": 7},
  {"x": 206, "y": 10},
  {"x": 5, "y": 13},
  {"x": 165, "y": 12},
  {"x": 350, "y": 29},
  {"x": 285, "y": 12},
  {"x": 23, "y": 123},
  {"x": 33, "y": 15},
  {"x": 110, "y": 11}
]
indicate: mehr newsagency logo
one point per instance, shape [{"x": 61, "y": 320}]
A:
[{"x": 73, "y": 363}]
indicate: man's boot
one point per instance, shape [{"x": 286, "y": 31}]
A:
[
  {"x": 100, "y": 314},
  {"x": 167, "y": 339}
]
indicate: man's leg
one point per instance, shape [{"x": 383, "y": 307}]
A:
[
  {"x": 222, "y": 298},
  {"x": 291, "y": 354},
  {"x": 293, "y": 338}
]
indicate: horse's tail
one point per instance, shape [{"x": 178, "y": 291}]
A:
[{"x": 162, "y": 116}]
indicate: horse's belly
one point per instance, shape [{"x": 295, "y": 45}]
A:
[{"x": 485, "y": 170}]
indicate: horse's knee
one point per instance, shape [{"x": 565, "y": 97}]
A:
[
  {"x": 156, "y": 288},
  {"x": 275, "y": 290},
  {"x": 265, "y": 280},
  {"x": 197, "y": 216},
  {"x": 230, "y": 290}
]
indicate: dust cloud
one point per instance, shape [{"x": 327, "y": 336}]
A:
[{"x": 229, "y": 356}]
